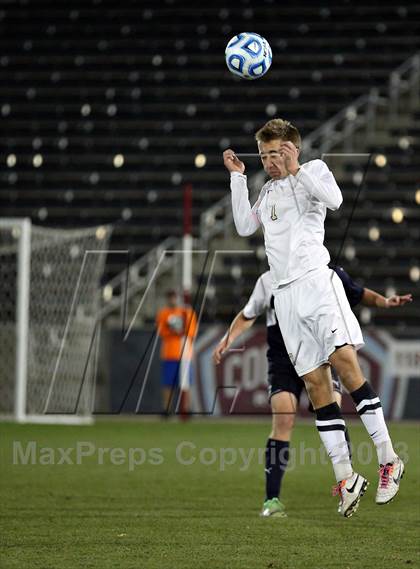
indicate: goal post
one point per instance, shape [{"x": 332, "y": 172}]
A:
[
  {"x": 50, "y": 294},
  {"x": 22, "y": 317}
]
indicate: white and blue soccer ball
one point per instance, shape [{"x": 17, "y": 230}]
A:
[{"x": 248, "y": 55}]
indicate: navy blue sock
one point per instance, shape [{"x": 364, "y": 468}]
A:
[{"x": 276, "y": 458}]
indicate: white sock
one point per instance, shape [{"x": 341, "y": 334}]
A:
[
  {"x": 331, "y": 428},
  {"x": 373, "y": 420},
  {"x": 370, "y": 410}
]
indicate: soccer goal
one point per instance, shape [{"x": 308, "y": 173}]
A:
[{"x": 49, "y": 302}]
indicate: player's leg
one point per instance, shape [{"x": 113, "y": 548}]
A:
[
  {"x": 370, "y": 411},
  {"x": 338, "y": 395},
  {"x": 329, "y": 421},
  {"x": 346, "y": 330},
  {"x": 331, "y": 322},
  {"x": 285, "y": 388},
  {"x": 307, "y": 313},
  {"x": 331, "y": 427},
  {"x": 185, "y": 391},
  {"x": 166, "y": 399},
  {"x": 169, "y": 378},
  {"x": 338, "y": 392},
  {"x": 366, "y": 400},
  {"x": 283, "y": 407}
]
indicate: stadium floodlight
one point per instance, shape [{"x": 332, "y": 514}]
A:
[{"x": 49, "y": 303}]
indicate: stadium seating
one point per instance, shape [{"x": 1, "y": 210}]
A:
[{"x": 102, "y": 120}]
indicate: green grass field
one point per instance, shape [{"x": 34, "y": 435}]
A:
[{"x": 172, "y": 515}]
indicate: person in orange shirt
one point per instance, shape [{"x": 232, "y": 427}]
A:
[{"x": 177, "y": 327}]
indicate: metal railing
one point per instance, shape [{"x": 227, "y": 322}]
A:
[
  {"x": 139, "y": 275},
  {"x": 362, "y": 113},
  {"x": 405, "y": 78}
]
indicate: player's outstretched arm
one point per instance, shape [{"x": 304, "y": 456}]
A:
[
  {"x": 239, "y": 325},
  {"x": 373, "y": 298},
  {"x": 244, "y": 216}
]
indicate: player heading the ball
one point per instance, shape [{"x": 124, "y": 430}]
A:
[{"x": 318, "y": 327}]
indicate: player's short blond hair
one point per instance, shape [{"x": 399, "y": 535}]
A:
[{"x": 278, "y": 128}]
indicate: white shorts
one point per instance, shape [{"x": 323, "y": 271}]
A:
[{"x": 314, "y": 317}]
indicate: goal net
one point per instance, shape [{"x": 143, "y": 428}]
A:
[{"x": 49, "y": 301}]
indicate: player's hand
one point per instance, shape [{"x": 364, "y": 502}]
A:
[
  {"x": 232, "y": 162},
  {"x": 397, "y": 300},
  {"x": 290, "y": 154},
  {"x": 219, "y": 350}
]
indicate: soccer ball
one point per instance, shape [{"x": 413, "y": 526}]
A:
[{"x": 248, "y": 55}]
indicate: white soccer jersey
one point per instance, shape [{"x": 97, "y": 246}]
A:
[
  {"x": 260, "y": 300},
  {"x": 292, "y": 212}
]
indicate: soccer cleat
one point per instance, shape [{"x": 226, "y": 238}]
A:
[
  {"x": 350, "y": 492},
  {"x": 389, "y": 481},
  {"x": 273, "y": 508}
]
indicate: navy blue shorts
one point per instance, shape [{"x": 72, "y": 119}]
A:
[
  {"x": 283, "y": 377},
  {"x": 170, "y": 373}
]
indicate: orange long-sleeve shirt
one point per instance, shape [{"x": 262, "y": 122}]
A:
[{"x": 174, "y": 325}]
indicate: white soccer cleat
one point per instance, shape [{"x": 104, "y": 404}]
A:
[
  {"x": 389, "y": 481},
  {"x": 350, "y": 492}
]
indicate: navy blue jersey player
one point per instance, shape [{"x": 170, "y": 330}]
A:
[{"x": 284, "y": 385}]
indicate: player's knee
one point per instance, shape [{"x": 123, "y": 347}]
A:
[
  {"x": 347, "y": 367},
  {"x": 312, "y": 382},
  {"x": 346, "y": 374},
  {"x": 317, "y": 379},
  {"x": 282, "y": 424}
]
